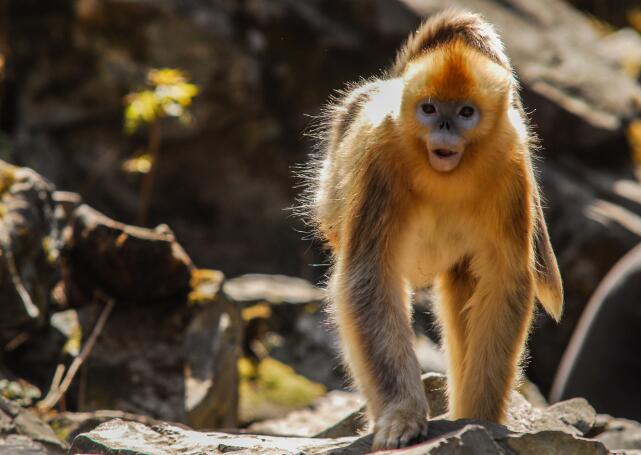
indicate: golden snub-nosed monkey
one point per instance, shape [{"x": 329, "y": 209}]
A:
[{"x": 425, "y": 177}]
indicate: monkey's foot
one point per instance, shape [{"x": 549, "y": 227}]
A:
[{"x": 399, "y": 429}]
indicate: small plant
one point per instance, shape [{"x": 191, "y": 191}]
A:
[{"x": 169, "y": 94}]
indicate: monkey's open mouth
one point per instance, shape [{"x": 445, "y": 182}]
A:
[
  {"x": 444, "y": 160},
  {"x": 444, "y": 153}
]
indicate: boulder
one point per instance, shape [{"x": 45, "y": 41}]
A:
[
  {"x": 29, "y": 243},
  {"x": 194, "y": 343},
  {"x": 286, "y": 317},
  {"x": 617, "y": 434},
  {"x": 124, "y": 262},
  {"x": 614, "y": 304},
  {"x": 24, "y": 433}
]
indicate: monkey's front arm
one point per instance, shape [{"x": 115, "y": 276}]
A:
[{"x": 373, "y": 312}]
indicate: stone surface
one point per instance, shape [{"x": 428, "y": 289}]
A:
[
  {"x": 617, "y": 434},
  {"x": 22, "y": 432},
  {"x": 286, "y": 317},
  {"x": 320, "y": 420},
  {"x": 30, "y": 243},
  {"x": 274, "y": 289},
  {"x": 444, "y": 438},
  {"x": 196, "y": 346},
  {"x": 212, "y": 344},
  {"x": 614, "y": 304},
  {"x": 124, "y": 262}
]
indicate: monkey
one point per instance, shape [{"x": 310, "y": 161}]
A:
[{"x": 424, "y": 176}]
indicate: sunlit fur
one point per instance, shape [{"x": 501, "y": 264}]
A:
[{"x": 394, "y": 223}]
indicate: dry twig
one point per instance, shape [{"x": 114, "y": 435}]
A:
[{"x": 55, "y": 394}]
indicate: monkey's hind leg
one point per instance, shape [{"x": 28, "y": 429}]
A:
[
  {"x": 497, "y": 320},
  {"x": 455, "y": 289}
]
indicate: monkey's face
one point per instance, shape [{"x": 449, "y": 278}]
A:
[
  {"x": 447, "y": 123},
  {"x": 452, "y": 99}
]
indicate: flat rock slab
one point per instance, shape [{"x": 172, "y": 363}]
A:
[
  {"x": 445, "y": 437},
  {"x": 274, "y": 289}
]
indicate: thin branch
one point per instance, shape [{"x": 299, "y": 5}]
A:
[
  {"x": 147, "y": 189},
  {"x": 53, "y": 397},
  {"x": 55, "y": 383}
]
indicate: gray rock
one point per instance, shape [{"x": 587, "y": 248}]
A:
[
  {"x": 22, "y": 432},
  {"x": 471, "y": 439},
  {"x": 576, "y": 412},
  {"x": 30, "y": 244},
  {"x": 553, "y": 443},
  {"x": 274, "y": 289},
  {"x": 617, "y": 434},
  {"x": 138, "y": 439},
  {"x": 320, "y": 420},
  {"x": 124, "y": 262},
  {"x": 15, "y": 444},
  {"x": 444, "y": 437},
  {"x": 195, "y": 343},
  {"x": 212, "y": 344},
  {"x": 293, "y": 311}
]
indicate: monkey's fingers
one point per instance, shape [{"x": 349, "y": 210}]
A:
[{"x": 399, "y": 430}]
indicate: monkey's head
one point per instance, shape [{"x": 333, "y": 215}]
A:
[{"x": 453, "y": 97}]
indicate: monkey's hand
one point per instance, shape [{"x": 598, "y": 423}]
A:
[{"x": 400, "y": 427}]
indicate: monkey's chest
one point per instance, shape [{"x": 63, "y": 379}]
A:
[{"x": 433, "y": 248}]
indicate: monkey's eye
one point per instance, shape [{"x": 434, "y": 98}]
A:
[
  {"x": 428, "y": 108},
  {"x": 466, "y": 111}
]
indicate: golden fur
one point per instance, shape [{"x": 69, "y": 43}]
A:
[{"x": 395, "y": 223}]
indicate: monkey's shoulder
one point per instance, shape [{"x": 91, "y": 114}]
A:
[{"x": 370, "y": 108}]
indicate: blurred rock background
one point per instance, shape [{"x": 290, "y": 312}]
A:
[{"x": 224, "y": 182}]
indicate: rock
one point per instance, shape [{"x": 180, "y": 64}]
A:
[
  {"x": 574, "y": 416},
  {"x": 22, "y": 445},
  {"x": 195, "y": 344},
  {"x": 594, "y": 219},
  {"x": 211, "y": 345},
  {"x": 22, "y": 432},
  {"x": 270, "y": 389},
  {"x": 554, "y": 443},
  {"x": 137, "y": 438},
  {"x": 444, "y": 437},
  {"x": 614, "y": 304},
  {"x": 70, "y": 424},
  {"x": 617, "y": 434},
  {"x": 471, "y": 437},
  {"x": 435, "y": 385},
  {"x": 576, "y": 412},
  {"x": 29, "y": 242},
  {"x": 286, "y": 317},
  {"x": 623, "y": 47},
  {"x": 124, "y": 262},
  {"x": 273, "y": 289},
  {"x": 318, "y": 420}
]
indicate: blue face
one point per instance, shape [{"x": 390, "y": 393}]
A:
[{"x": 447, "y": 121}]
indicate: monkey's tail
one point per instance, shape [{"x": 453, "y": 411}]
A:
[{"x": 549, "y": 289}]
